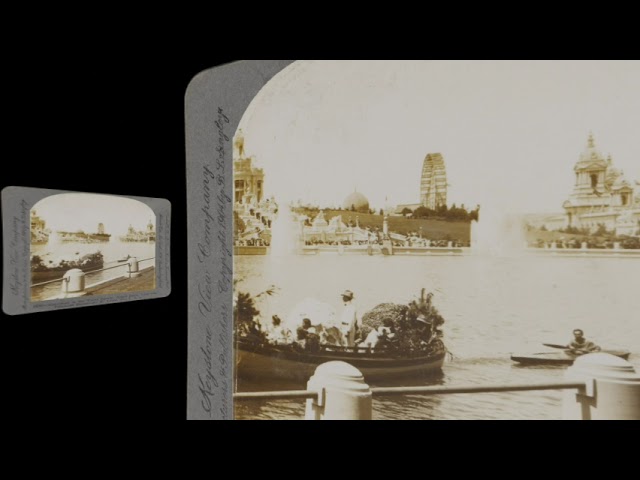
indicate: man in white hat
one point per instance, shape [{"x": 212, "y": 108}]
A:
[{"x": 349, "y": 318}]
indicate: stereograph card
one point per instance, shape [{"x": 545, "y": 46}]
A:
[
  {"x": 70, "y": 249},
  {"x": 362, "y": 233}
]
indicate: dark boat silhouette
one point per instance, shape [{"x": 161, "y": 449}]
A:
[
  {"x": 286, "y": 362},
  {"x": 42, "y": 273},
  {"x": 565, "y": 357}
]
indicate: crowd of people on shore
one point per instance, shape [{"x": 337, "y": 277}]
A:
[
  {"x": 414, "y": 240},
  {"x": 574, "y": 243},
  {"x": 334, "y": 243},
  {"x": 251, "y": 242},
  {"x": 409, "y": 242}
]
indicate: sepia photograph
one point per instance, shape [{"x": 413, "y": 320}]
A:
[
  {"x": 418, "y": 240},
  {"x": 88, "y": 244}
]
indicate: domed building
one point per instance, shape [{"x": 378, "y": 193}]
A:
[
  {"x": 601, "y": 195},
  {"x": 357, "y": 202}
]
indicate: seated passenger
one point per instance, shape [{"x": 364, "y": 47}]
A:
[
  {"x": 580, "y": 345},
  {"x": 330, "y": 336},
  {"x": 312, "y": 341},
  {"x": 277, "y": 334},
  {"x": 301, "y": 332},
  {"x": 380, "y": 337}
]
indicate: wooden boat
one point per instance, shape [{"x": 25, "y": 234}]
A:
[
  {"x": 41, "y": 273},
  {"x": 287, "y": 362},
  {"x": 564, "y": 357}
]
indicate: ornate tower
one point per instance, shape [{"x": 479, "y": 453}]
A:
[
  {"x": 238, "y": 146},
  {"x": 591, "y": 192},
  {"x": 590, "y": 172},
  {"x": 433, "y": 184},
  {"x": 248, "y": 181}
]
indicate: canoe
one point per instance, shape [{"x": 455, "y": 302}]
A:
[
  {"x": 559, "y": 358},
  {"x": 287, "y": 363}
]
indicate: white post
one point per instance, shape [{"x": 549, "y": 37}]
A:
[
  {"x": 612, "y": 389},
  {"x": 584, "y": 246},
  {"x": 73, "y": 283},
  {"x": 554, "y": 245},
  {"x": 342, "y": 394},
  {"x": 450, "y": 244},
  {"x": 616, "y": 245},
  {"x": 133, "y": 267}
]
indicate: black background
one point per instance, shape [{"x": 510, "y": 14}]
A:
[{"x": 111, "y": 121}]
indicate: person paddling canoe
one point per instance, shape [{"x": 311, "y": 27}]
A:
[{"x": 580, "y": 345}]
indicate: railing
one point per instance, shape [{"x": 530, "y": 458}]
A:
[
  {"x": 74, "y": 279},
  {"x": 476, "y": 389},
  {"x": 393, "y": 391},
  {"x": 607, "y": 387},
  {"x": 286, "y": 395}
]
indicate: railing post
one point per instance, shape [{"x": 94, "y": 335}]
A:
[
  {"x": 342, "y": 394},
  {"x": 612, "y": 389},
  {"x": 133, "y": 267},
  {"x": 73, "y": 283}
]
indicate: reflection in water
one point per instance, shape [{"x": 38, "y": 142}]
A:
[{"x": 492, "y": 307}]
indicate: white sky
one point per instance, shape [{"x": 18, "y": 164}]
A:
[
  {"x": 510, "y": 132},
  {"x": 83, "y": 211}
]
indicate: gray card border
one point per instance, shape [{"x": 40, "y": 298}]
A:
[
  {"x": 16, "y": 207},
  {"x": 215, "y": 101}
]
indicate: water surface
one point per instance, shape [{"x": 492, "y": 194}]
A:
[{"x": 492, "y": 306}]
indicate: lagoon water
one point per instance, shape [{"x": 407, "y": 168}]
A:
[
  {"x": 112, "y": 251},
  {"x": 492, "y": 306}
]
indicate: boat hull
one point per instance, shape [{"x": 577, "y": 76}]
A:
[
  {"x": 261, "y": 362},
  {"x": 558, "y": 358},
  {"x": 53, "y": 274}
]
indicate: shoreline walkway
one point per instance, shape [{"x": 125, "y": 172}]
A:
[{"x": 144, "y": 282}]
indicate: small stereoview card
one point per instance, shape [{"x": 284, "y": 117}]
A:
[{"x": 68, "y": 249}]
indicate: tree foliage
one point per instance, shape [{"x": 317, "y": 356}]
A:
[
  {"x": 411, "y": 334},
  {"x": 454, "y": 214}
]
